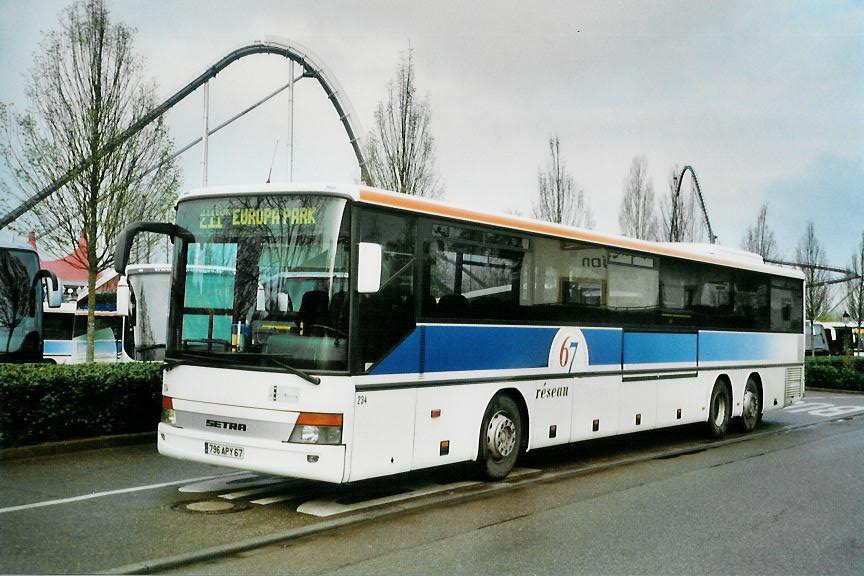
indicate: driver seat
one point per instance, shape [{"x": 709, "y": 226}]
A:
[{"x": 313, "y": 313}]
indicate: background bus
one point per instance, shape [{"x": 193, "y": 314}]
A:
[
  {"x": 841, "y": 338},
  {"x": 22, "y": 291},
  {"x": 434, "y": 334},
  {"x": 65, "y": 333},
  {"x": 815, "y": 339},
  {"x": 143, "y": 296}
]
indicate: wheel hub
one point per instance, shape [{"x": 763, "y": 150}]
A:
[
  {"x": 501, "y": 436},
  {"x": 720, "y": 414},
  {"x": 751, "y": 404}
]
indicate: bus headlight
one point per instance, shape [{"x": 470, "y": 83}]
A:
[{"x": 314, "y": 428}]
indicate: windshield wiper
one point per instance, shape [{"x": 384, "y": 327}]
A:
[
  {"x": 224, "y": 360},
  {"x": 207, "y": 357},
  {"x": 296, "y": 371}
]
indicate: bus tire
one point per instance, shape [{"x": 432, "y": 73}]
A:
[
  {"x": 719, "y": 410},
  {"x": 751, "y": 413},
  {"x": 500, "y": 438}
]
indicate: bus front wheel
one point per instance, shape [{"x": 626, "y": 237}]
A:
[
  {"x": 500, "y": 438},
  {"x": 719, "y": 410}
]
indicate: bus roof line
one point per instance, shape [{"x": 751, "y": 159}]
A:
[
  {"x": 379, "y": 197},
  {"x": 427, "y": 206}
]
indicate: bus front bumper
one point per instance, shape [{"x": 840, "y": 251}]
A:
[{"x": 307, "y": 461}]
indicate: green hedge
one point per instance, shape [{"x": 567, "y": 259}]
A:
[
  {"x": 46, "y": 402},
  {"x": 835, "y": 372}
]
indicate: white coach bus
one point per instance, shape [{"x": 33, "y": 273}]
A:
[{"x": 428, "y": 334}]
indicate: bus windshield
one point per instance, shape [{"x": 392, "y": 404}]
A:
[
  {"x": 262, "y": 282},
  {"x": 19, "y": 323}
]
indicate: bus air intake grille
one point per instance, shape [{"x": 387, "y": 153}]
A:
[{"x": 794, "y": 382}]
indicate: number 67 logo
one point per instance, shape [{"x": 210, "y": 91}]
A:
[{"x": 568, "y": 352}]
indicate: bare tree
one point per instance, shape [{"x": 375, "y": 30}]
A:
[
  {"x": 559, "y": 200},
  {"x": 86, "y": 87},
  {"x": 759, "y": 239},
  {"x": 809, "y": 254},
  {"x": 400, "y": 152},
  {"x": 855, "y": 289},
  {"x": 637, "y": 216}
]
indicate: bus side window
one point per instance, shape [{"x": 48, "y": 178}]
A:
[
  {"x": 472, "y": 273},
  {"x": 387, "y": 316},
  {"x": 786, "y": 305}
]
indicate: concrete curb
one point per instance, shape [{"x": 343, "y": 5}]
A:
[
  {"x": 831, "y": 390},
  {"x": 66, "y": 446}
]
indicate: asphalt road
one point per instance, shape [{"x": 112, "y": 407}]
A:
[{"x": 786, "y": 500}]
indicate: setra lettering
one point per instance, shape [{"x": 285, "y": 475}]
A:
[{"x": 225, "y": 425}]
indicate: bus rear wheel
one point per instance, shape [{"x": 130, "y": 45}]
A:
[
  {"x": 719, "y": 410},
  {"x": 751, "y": 413},
  {"x": 500, "y": 438}
]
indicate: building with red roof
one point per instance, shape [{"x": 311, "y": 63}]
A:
[{"x": 72, "y": 270}]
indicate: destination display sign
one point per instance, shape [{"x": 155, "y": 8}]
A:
[{"x": 218, "y": 217}]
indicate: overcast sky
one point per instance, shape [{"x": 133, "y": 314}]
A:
[{"x": 764, "y": 99}]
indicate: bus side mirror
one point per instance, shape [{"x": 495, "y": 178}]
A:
[
  {"x": 127, "y": 235},
  {"x": 369, "y": 267},
  {"x": 123, "y": 297},
  {"x": 53, "y": 287}
]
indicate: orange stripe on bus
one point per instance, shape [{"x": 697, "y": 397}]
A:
[{"x": 416, "y": 204}]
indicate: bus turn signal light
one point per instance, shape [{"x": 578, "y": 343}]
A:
[{"x": 317, "y": 419}]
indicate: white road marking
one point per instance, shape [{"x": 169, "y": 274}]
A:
[
  {"x": 111, "y": 493},
  {"x": 273, "y": 499},
  {"x": 221, "y": 484},
  {"x": 329, "y": 507},
  {"x": 806, "y": 407},
  {"x": 326, "y": 507},
  {"x": 822, "y": 409},
  {"x": 832, "y": 411},
  {"x": 256, "y": 491}
]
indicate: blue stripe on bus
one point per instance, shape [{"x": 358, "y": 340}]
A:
[
  {"x": 404, "y": 359},
  {"x": 455, "y": 348},
  {"x": 486, "y": 348},
  {"x": 461, "y": 348},
  {"x": 659, "y": 348},
  {"x": 69, "y": 347},
  {"x": 58, "y": 347},
  {"x": 604, "y": 346},
  {"x": 445, "y": 348},
  {"x": 735, "y": 347}
]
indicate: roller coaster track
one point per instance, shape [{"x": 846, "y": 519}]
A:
[
  {"x": 673, "y": 230},
  {"x": 847, "y": 274},
  {"x": 312, "y": 68}
]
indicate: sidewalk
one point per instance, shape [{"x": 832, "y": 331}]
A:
[{"x": 77, "y": 445}]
